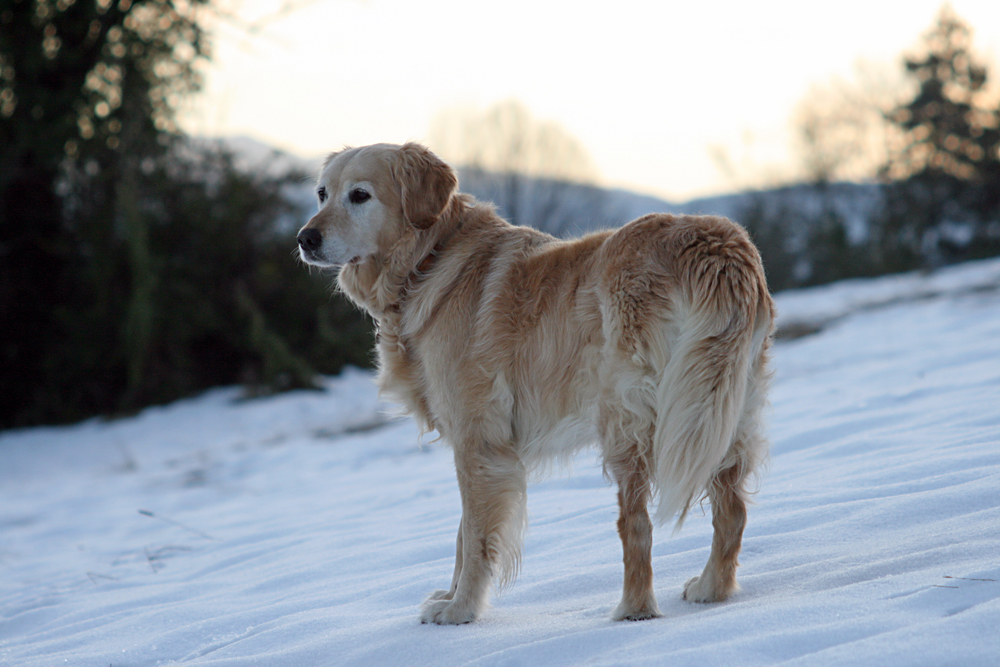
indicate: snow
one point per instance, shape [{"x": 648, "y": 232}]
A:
[{"x": 305, "y": 529}]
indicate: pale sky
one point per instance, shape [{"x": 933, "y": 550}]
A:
[{"x": 647, "y": 87}]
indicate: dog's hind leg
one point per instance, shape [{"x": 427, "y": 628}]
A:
[
  {"x": 636, "y": 532},
  {"x": 729, "y": 517},
  {"x": 493, "y": 483},
  {"x": 727, "y": 493}
]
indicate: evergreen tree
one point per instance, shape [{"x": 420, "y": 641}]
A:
[{"x": 945, "y": 174}]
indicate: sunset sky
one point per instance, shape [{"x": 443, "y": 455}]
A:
[{"x": 650, "y": 89}]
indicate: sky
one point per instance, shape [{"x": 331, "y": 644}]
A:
[{"x": 651, "y": 89}]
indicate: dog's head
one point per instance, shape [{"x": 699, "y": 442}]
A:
[{"x": 370, "y": 197}]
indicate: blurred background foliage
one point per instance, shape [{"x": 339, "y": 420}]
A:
[
  {"x": 138, "y": 265},
  {"x": 929, "y": 151}
]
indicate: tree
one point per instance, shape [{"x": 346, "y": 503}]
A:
[
  {"x": 529, "y": 168},
  {"x": 943, "y": 197},
  {"x": 947, "y": 129},
  {"x": 841, "y": 127},
  {"x": 90, "y": 87},
  {"x": 136, "y": 266}
]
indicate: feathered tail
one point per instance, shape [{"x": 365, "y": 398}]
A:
[{"x": 712, "y": 389}]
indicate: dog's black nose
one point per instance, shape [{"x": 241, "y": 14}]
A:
[{"x": 310, "y": 239}]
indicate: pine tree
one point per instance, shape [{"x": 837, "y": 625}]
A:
[
  {"x": 945, "y": 173},
  {"x": 946, "y": 130}
]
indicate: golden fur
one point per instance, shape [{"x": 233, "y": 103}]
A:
[{"x": 520, "y": 349}]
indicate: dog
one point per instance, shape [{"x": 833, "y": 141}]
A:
[{"x": 519, "y": 348}]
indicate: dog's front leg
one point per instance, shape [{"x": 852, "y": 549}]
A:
[
  {"x": 449, "y": 594},
  {"x": 493, "y": 484}
]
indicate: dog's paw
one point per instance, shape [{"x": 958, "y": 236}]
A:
[
  {"x": 446, "y": 612},
  {"x": 698, "y": 589},
  {"x": 439, "y": 594},
  {"x": 635, "y": 615},
  {"x": 631, "y": 612},
  {"x": 703, "y": 589}
]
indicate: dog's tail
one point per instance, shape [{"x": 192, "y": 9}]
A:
[{"x": 711, "y": 391}]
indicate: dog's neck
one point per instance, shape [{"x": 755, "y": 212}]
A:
[
  {"x": 422, "y": 268},
  {"x": 392, "y": 312}
]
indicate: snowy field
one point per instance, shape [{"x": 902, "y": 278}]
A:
[{"x": 305, "y": 529}]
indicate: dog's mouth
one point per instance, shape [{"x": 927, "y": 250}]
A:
[
  {"x": 353, "y": 261},
  {"x": 315, "y": 259}
]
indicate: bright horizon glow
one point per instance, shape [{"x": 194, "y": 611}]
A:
[{"x": 649, "y": 88}]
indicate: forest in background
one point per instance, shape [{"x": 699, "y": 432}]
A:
[{"x": 138, "y": 266}]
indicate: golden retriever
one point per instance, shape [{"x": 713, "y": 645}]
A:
[{"x": 519, "y": 348}]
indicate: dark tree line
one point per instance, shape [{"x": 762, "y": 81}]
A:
[{"x": 136, "y": 266}]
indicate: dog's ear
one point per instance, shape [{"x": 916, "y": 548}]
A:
[{"x": 426, "y": 184}]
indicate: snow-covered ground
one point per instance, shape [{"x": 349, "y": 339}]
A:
[{"x": 305, "y": 529}]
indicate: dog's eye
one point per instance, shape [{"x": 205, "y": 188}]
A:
[
  {"x": 321, "y": 193},
  {"x": 358, "y": 196}
]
